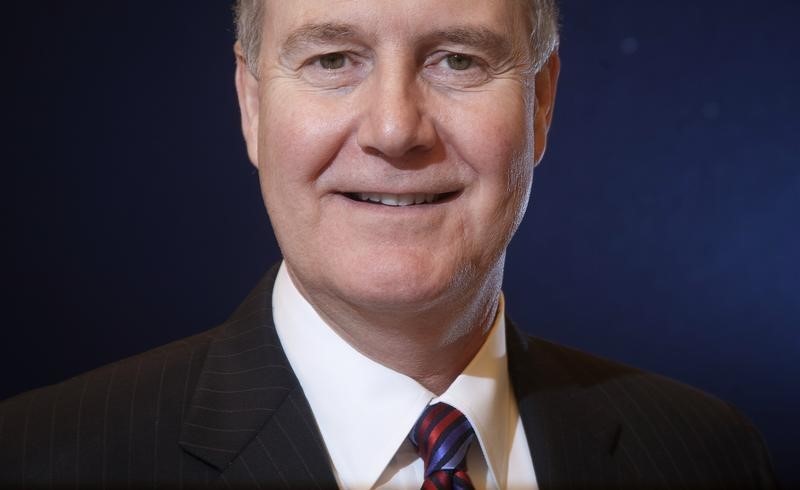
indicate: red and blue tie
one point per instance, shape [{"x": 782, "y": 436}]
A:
[{"x": 442, "y": 436}]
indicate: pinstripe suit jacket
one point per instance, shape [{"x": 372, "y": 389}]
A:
[{"x": 223, "y": 409}]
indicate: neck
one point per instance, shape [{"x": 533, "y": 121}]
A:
[{"x": 431, "y": 344}]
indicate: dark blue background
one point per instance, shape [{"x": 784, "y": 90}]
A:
[{"x": 663, "y": 231}]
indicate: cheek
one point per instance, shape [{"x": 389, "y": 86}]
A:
[
  {"x": 298, "y": 139},
  {"x": 498, "y": 146}
]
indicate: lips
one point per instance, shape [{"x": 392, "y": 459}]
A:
[{"x": 388, "y": 199}]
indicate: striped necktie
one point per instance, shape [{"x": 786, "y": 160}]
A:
[{"x": 442, "y": 436}]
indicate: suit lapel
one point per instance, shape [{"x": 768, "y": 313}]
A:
[
  {"x": 248, "y": 402},
  {"x": 572, "y": 436},
  {"x": 249, "y": 406}
]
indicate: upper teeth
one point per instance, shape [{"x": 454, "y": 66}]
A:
[{"x": 396, "y": 199}]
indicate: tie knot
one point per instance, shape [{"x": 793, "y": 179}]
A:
[{"x": 442, "y": 436}]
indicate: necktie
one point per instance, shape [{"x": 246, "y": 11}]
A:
[{"x": 442, "y": 436}]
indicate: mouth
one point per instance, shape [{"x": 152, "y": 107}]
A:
[{"x": 399, "y": 200}]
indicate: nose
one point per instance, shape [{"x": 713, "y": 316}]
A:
[{"x": 395, "y": 120}]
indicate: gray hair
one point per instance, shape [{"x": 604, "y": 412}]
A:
[{"x": 249, "y": 18}]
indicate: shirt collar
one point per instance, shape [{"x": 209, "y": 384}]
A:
[{"x": 359, "y": 403}]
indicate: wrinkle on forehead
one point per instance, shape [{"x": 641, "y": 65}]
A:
[
  {"x": 497, "y": 30},
  {"x": 492, "y": 42}
]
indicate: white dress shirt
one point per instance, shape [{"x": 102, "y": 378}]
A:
[{"x": 365, "y": 410}]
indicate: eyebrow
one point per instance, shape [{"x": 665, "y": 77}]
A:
[
  {"x": 311, "y": 34},
  {"x": 494, "y": 44}
]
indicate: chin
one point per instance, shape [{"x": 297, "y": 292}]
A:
[{"x": 390, "y": 283}]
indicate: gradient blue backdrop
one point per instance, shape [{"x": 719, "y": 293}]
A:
[{"x": 663, "y": 230}]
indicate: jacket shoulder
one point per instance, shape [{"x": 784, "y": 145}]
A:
[
  {"x": 629, "y": 389},
  {"x": 86, "y": 423},
  {"x": 664, "y": 432}
]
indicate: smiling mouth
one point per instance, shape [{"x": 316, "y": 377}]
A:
[{"x": 386, "y": 199}]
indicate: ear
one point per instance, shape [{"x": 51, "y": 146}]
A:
[
  {"x": 545, "y": 86},
  {"x": 247, "y": 91}
]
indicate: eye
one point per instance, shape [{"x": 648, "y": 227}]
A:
[
  {"x": 457, "y": 70},
  {"x": 332, "y": 61},
  {"x": 459, "y": 62},
  {"x": 334, "y": 69}
]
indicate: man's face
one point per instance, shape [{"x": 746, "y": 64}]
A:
[{"x": 394, "y": 143}]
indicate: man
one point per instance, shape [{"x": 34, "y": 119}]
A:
[{"x": 395, "y": 144}]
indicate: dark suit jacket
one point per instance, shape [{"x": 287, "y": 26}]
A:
[{"x": 224, "y": 409}]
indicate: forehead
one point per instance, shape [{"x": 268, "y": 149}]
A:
[{"x": 398, "y": 19}]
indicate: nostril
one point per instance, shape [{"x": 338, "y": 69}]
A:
[{"x": 374, "y": 152}]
